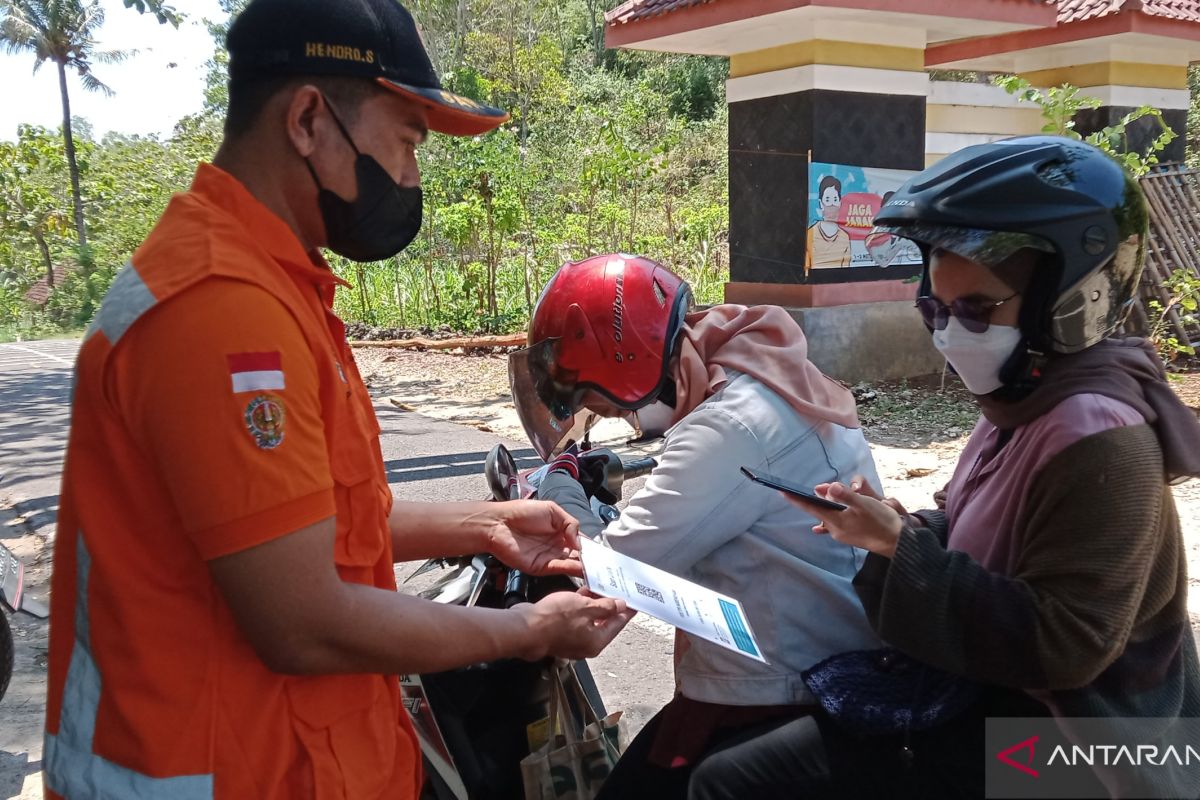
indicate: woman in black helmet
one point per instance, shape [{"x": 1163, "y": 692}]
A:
[{"x": 1053, "y": 580}]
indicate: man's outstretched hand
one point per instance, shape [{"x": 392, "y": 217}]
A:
[
  {"x": 572, "y": 624},
  {"x": 535, "y": 536}
]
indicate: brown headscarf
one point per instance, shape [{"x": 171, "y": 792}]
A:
[
  {"x": 765, "y": 343},
  {"x": 1127, "y": 370}
]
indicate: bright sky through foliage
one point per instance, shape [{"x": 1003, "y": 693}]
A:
[{"x": 151, "y": 95}]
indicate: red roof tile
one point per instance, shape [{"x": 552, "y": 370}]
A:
[
  {"x": 1068, "y": 10},
  {"x": 1080, "y": 10},
  {"x": 635, "y": 10},
  {"x": 39, "y": 293}
]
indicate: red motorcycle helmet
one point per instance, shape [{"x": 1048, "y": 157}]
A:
[{"x": 607, "y": 324}]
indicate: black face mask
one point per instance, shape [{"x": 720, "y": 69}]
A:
[{"x": 380, "y": 222}]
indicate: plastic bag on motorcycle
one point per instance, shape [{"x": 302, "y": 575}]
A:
[{"x": 575, "y": 762}]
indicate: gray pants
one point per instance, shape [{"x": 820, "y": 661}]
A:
[{"x": 778, "y": 759}]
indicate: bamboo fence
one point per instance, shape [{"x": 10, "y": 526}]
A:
[{"x": 1173, "y": 196}]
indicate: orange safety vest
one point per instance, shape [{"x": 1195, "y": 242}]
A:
[{"x": 216, "y": 406}]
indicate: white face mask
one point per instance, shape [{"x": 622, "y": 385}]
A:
[
  {"x": 977, "y": 357},
  {"x": 653, "y": 420}
]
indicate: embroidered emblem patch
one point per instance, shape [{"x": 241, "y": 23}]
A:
[{"x": 264, "y": 420}]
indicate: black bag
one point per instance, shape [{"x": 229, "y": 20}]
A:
[{"x": 882, "y": 692}]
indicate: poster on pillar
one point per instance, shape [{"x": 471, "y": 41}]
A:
[{"x": 842, "y": 203}]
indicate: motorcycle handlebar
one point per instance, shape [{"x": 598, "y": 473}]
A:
[
  {"x": 516, "y": 588},
  {"x": 517, "y": 583},
  {"x": 639, "y": 467}
]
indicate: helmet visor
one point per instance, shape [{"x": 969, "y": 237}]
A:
[
  {"x": 894, "y": 244},
  {"x": 547, "y": 399}
]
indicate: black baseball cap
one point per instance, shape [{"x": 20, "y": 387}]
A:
[{"x": 375, "y": 39}]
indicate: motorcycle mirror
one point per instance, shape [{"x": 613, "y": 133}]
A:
[
  {"x": 428, "y": 566},
  {"x": 500, "y": 469},
  {"x": 12, "y": 579}
]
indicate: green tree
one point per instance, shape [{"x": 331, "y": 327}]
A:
[
  {"x": 445, "y": 24},
  {"x": 29, "y": 205},
  {"x": 216, "y": 89},
  {"x": 627, "y": 155},
  {"x": 166, "y": 15},
  {"x": 1169, "y": 319},
  {"x": 63, "y": 32},
  {"x": 1061, "y": 104}
]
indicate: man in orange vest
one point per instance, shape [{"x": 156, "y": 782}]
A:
[{"x": 224, "y": 614}]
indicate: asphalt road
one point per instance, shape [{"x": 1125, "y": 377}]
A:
[
  {"x": 35, "y": 380},
  {"x": 426, "y": 459},
  {"x": 35, "y": 383}
]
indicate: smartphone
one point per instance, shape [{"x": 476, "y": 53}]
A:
[{"x": 775, "y": 482}]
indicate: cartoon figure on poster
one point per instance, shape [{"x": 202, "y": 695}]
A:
[
  {"x": 828, "y": 241},
  {"x": 843, "y": 202}
]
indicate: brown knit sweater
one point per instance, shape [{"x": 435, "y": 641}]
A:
[{"x": 1091, "y": 614}]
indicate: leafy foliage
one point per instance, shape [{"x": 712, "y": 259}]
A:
[
  {"x": 165, "y": 14},
  {"x": 628, "y": 156},
  {"x": 63, "y": 32},
  {"x": 35, "y": 213},
  {"x": 1061, "y": 104},
  {"x": 1183, "y": 303}
]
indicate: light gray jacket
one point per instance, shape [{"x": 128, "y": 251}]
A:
[{"x": 700, "y": 518}]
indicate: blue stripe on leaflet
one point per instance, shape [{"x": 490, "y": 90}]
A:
[{"x": 737, "y": 626}]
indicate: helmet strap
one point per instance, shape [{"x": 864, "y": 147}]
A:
[
  {"x": 668, "y": 393},
  {"x": 1022, "y": 373}
]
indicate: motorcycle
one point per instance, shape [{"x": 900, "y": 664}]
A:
[
  {"x": 14, "y": 600},
  {"x": 477, "y": 723}
]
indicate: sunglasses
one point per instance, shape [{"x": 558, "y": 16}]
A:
[{"x": 974, "y": 315}]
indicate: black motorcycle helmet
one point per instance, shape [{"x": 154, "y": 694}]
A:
[{"x": 1063, "y": 198}]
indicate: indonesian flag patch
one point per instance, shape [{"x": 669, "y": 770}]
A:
[{"x": 256, "y": 372}]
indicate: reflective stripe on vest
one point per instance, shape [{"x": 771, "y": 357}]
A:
[
  {"x": 128, "y": 298},
  {"x": 73, "y": 770}
]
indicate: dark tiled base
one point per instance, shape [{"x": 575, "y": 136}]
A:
[
  {"x": 770, "y": 140},
  {"x": 1141, "y": 133}
]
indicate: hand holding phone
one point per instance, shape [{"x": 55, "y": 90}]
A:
[{"x": 775, "y": 482}]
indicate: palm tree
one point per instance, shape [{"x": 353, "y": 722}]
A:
[{"x": 62, "y": 31}]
